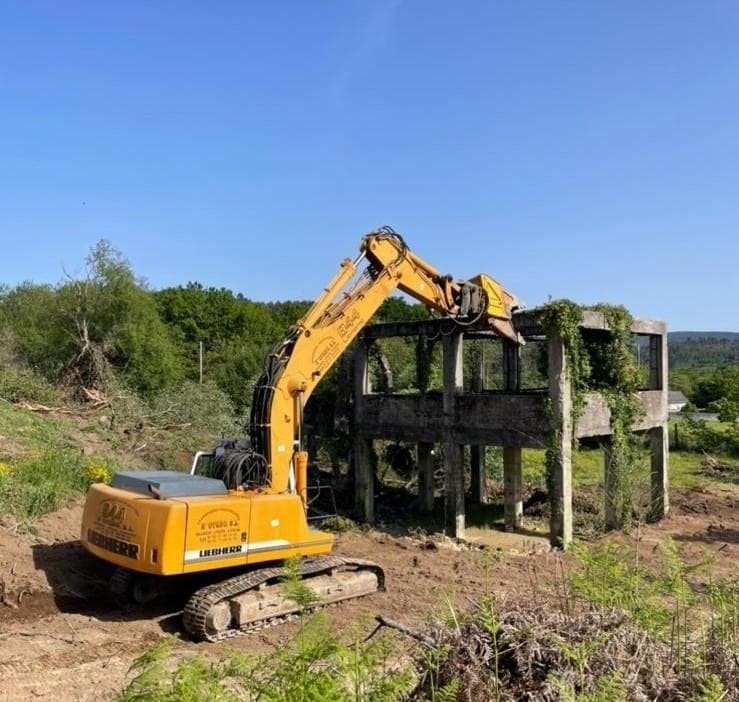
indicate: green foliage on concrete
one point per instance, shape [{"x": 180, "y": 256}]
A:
[
  {"x": 562, "y": 318},
  {"x": 616, "y": 376},
  {"x": 606, "y": 364}
]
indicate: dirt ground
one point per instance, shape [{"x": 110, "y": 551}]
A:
[{"x": 62, "y": 639}]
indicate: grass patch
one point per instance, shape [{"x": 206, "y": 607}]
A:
[
  {"x": 41, "y": 467},
  {"x": 23, "y": 431},
  {"x": 686, "y": 468},
  {"x": 18, "y": 384},
  {"x": 45, "y": 481}
]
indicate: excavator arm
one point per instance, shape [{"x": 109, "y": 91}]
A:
[{"x": 347, "y": 304}]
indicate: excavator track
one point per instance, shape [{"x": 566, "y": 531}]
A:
[{"x": 253, "y": 600}]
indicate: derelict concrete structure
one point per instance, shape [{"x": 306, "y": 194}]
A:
[{"x": 511, "y": 417}]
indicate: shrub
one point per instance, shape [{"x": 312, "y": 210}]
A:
[
  {"x": 339, "y": 524},
  {"x": 17, "y": 385},
  {"x": 204, "y": 407},
  {"x": 696, "y": 435}
]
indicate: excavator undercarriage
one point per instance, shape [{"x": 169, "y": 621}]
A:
[{"x": 258, "y": 598}]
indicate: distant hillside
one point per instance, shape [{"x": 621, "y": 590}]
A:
[
  {"x": 701, "y": 348},
  {"x": 677, "y": 336}
]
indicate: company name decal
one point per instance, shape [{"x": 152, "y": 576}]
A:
[{"x": 122, "y": 548}]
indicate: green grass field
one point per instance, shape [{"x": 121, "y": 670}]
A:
[{"x": 685, "y": 467}]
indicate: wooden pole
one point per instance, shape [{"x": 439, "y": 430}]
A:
[{"x": 200, "y": 360}]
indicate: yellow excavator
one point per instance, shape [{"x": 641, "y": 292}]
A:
[{"x": 244, "y": 506}]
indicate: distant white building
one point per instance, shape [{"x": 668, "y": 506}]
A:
[{"x": 676, "y": 401}]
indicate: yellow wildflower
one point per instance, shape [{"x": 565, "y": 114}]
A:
[{"x": 97, "y": 473}]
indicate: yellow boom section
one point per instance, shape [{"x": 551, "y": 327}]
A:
[{"x": 347, "y": 304}]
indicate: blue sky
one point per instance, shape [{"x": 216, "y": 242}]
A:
[{"x": 570, "y": 149}]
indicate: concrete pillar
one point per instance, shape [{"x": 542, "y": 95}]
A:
[
  {"x": 512, "y": 488},
  {"x": 425, "y": 477},
  {"x": 609, "y": 488},
  {"x": 560, "y": 482},
  {"x": 453, "y": 463},
  {"x": 478, "y": 476},
  {"x": 364, "y": 473},
  {"x": 454, "y": 489},
  {"x": 511, "y": 366},
  {"x": 424, "y": 352},
  {"x": 364, "y": 479},
  {"x": 659, "y": 438},
  {"x": 362, "y": 380},
  {"x": 660, "y": 502}
]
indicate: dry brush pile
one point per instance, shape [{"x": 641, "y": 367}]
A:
[{"x": 536, "y": 653}]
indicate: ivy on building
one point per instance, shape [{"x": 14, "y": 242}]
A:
[{"x": 605, "y": 363}]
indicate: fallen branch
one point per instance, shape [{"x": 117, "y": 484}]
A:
[
  {"x": 37, "y": 408},
  {"x": 403, "y": 628}
]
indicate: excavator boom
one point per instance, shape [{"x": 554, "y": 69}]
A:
[{"x": 347, "y": 304}]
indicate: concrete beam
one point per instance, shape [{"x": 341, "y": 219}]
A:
[
  {"x": 527, "y": 323},
  {"x": 649, "y": 326},
  {"x": 560, "y": 395},
  {"x": 512, "y": 488},
  {"x": 425, "y": 477},
  {"x": 430, "y": 327},
  {"x": 595, "y": 419},
  {"x": 490, "y": 418}
]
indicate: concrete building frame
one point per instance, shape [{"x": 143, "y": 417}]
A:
[{"x": 513, "y": 418}]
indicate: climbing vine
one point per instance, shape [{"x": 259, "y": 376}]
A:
[
  {"x": 605, "y": 363},
  {"x": 616, "y": 376},
  {"x": 562, "y": 318}
]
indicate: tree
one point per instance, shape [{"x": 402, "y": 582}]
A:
[
  {"x": 29, "y": 314},
  {"x": 727, "y": 409},
  {"x": 87, "y": 327},
  {"x": 114, "y": 320},
  {"x": 723, "y": 383}
]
